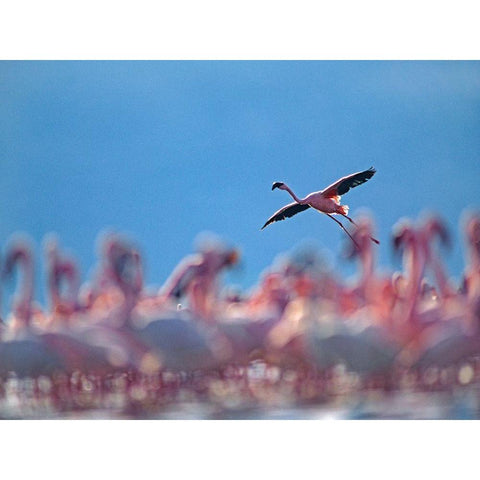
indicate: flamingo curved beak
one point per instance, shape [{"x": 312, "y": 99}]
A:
[{"x": 276, "y": 185}]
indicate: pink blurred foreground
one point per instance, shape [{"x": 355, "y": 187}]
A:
[{"x": 398, "y": 345}]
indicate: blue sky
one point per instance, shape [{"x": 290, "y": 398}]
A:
[{"x": 165, "y": 150}]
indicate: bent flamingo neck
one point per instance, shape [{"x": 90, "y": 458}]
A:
[{"x": 290, "y": 191}]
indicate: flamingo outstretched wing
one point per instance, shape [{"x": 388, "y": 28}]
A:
[
  {"x": 286, "y": 212},
  {"x": 342, "y": 186}
]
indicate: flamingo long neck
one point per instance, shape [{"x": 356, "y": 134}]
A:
[
  {"x": 436, "y": 265},
  {"x": 53, "y": 286},
  {"x": 138, "y": 279},
  {"x": 23, "y": 307},
  {"x": 290, "y": 191},
  {"x": 416, "y": 268},
  {"x": 74, "y": 279},
  {"x": 69, "y": 271},
  {"x": 131, "y": 288},
  {"x": 474, "y": 252},
  {"x": 368, "y": 267}
]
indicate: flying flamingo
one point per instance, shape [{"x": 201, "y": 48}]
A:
[{"x": 326, "y": 201}]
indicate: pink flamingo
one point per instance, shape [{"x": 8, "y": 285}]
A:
[
  {"x": 150, "y": 340},
  {"x": 109, "y": 321},
  {"x": 118, "y": 285},
  {"x": 452, "y": 304},
  {"x": 61, "y": 270},
  {"x": 311, "y": 332},
  {"x": 419, "y": 323},
  {"x": 232, "y": 339},
  {"x": 52, "y": 338},
  {"x": 71, "y": 345},
  {"x": 124, "y": 267},
  {"x": 458, "y": 337},
  {"x": 247, "y": 331},
  {"x": 326, "y": 201},
  {"x": 405, "y": 236},
  {"x": 22, "y": 308},
  {"x": 433, "y": 227},
  {"x": 270, "y": 298},
  {"x": 21, "y": 351},
  {"x": 373, "y": 298},
  {"x": 63, "y": 332},
  {"x": 372, "y": 291},
  {"x": 196, "y": 276},
  {"x": 405, "y": 323}
]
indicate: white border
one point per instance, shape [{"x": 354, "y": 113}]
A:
[
  {"x": 247, "y": 29},
  {"x": 239, "y": 449}
]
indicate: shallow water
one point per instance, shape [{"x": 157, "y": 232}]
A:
[
  {"x": 258, "y": 392},
  {"x": 459, "y": 405}
]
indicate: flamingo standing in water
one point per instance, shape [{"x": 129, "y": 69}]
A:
[
  {"x": 110, "y": 317},
  {"x": 146, "y": 331},
  {"x": 457, "y": 337},
  {"x": 432, "y": 227},
  {"x": 423, "y": 322},
  {"x": 63, "y": 331},
  {"x": 21, "y": 351},
  {"x": 372, "y": 290},
  {"x": 37, "y": 343},
  {"x": 312, "y": 332},
  {"x": 196, "y": 276},
  {"x": 326, "y": 201},
  {"x": 373, "y": 295}
]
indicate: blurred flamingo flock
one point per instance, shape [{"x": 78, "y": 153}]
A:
[{"x": 304, "y": 341}]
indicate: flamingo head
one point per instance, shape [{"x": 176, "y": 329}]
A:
[
  {"x": 279, "y": 185},
  {"x": 403, "y": 235},
  {"x": 123, "y": 262},
  {"x": 9, "y": 264},
  {"x": 398, "y": 285},
  {"x": 436, "y": 226},
  {"x": 232, "y": 257},
  {"x": 18, "y": 251},
  {"x": 51, "y": 247}
]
